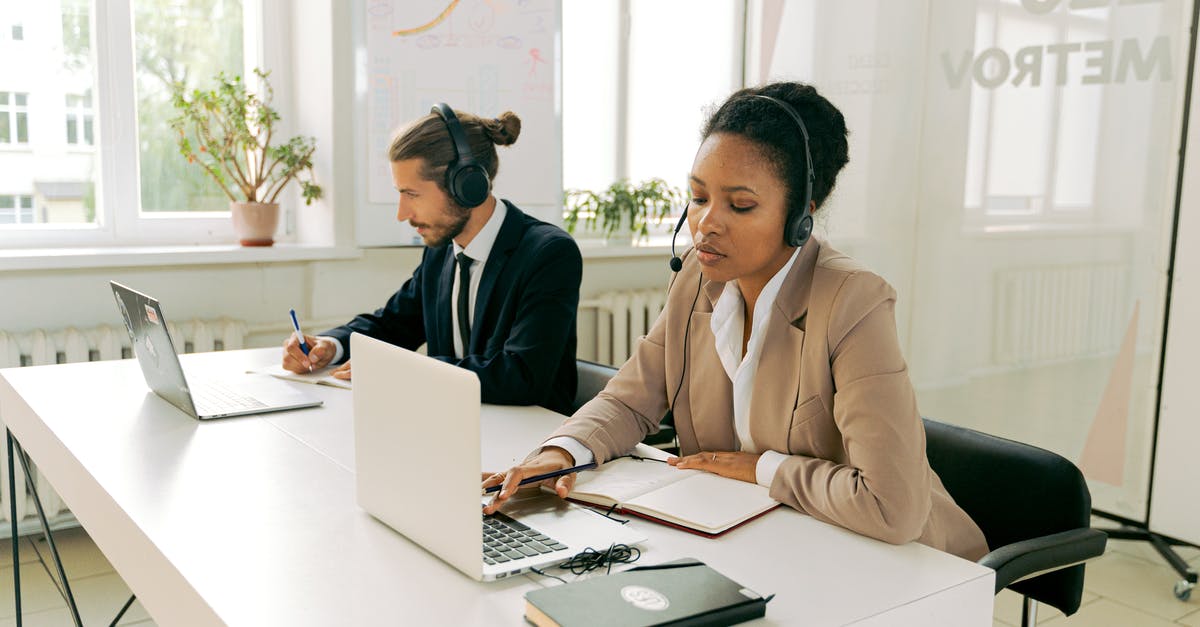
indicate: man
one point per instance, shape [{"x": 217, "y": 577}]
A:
[{"x": 496, "y": 291}]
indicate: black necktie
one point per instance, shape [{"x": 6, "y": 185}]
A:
[{"x": 464, "y": 301}]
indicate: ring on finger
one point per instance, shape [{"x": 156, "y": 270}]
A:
[{"x": 714, "y": 457}]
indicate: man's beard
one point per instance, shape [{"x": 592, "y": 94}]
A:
[{"x": 440, "y": 234}]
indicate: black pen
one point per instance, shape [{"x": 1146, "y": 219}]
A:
[{"x": 549, "y": 475}]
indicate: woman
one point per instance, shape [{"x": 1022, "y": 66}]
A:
[{"x": 780, "y": 363}]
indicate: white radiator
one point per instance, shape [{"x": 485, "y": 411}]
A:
[
  {"x": 611, "y": 323},
  {"x": 43, "y": 347},
  {"x": 1053, "y": 313}
]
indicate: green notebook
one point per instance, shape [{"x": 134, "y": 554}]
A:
[{"x": 683, "y": 592}]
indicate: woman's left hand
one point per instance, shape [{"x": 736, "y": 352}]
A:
[{"x": 735, "y": 465}]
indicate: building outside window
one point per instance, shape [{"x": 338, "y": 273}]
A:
[
  {"x": 79, "y": 119},
  {"x": 14, "y": 118},
  {"x": 16, "y": 209}
]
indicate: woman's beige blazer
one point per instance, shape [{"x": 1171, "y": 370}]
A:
[{"x": 831, "y": 391}]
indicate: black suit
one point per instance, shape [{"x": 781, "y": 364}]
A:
[{"x": 522, "y": 342}]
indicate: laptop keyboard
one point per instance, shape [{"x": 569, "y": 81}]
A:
[
  {"x": 214, "y": 398},
  {"x": 505, "y": 539}
]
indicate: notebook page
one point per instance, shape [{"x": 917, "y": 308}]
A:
[
  {"x": 622, "y": 479},
  {"x": 321, "y": 377},
  {"x": 705, "y": 501}
]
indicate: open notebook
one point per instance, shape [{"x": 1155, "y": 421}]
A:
[
  {"x": 320, "y": 377},
  {"x": 692, "y": 500}
]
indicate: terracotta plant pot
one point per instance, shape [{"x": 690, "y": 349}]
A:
[{"x": 254, "y": 223}]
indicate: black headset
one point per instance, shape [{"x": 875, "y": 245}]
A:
[
  {"x": 799, "y": 225},
  {"x": 466, "y": 180}
]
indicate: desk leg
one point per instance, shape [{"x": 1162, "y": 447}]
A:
[
  {"x": 12, "y": 518},
  {"x": 37, "y": 502}
]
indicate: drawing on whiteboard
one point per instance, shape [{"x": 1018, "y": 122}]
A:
[
  {"x": 481, "y": 56},
  {"x": 535, "y": 57},
  {"x": 404, "y": 32}
]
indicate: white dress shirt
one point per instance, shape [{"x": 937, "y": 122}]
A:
[
  {"x": 478, "y": 250},
  {"x": 728, "y": 318},
  {"x": 727, "y": 323}
]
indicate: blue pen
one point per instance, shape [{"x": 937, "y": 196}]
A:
[{"x": 299, "y": 335}]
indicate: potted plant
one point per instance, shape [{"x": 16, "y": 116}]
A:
[
  {"x": 622, "y": 205},
  {"x": 229, "y": 132}
]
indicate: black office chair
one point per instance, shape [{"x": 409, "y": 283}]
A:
[
  {"x": 1033, "y": 506},
  {"x": 592, "y": 379}
]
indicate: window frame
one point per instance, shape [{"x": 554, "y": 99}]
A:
[
  {"x": 622, "y": 99},
  {"x": 120, "y": 220},
  {"x": 1048, "y": 212}
]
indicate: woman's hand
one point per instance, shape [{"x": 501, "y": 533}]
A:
[
  {"x": 735, "y": 465},
  {"x": 549, "y": 459}
]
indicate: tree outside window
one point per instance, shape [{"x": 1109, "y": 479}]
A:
[{"x": 188, "y": 42}]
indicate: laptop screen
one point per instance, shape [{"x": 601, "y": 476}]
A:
[{"x": 152, "y": 346}]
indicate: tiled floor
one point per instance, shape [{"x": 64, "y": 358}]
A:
[
  {"x": 1130, "y": 586},
  {"x": 99, "y": 592}
]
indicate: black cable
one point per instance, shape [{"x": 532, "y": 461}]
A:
[
  {"x": 590, "y": 559},
  {"x": 546, "y": 574},
  {"x": 687, "y": 331}
]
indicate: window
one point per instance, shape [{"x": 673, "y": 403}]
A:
[
  {"x": 16, "y": 209},
  {"x": 79, "y": 120},
  {"x": 137, "y": 189},
  {"x": 14, "y": 118},
  {"x": 1032, "y": 151},
  {"x": 188, "y": 42},
  {"x": 612, "y": 78},
  {"x": 18, "y": 32}
]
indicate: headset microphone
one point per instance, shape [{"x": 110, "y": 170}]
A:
[{"x": 676, "y": 262}]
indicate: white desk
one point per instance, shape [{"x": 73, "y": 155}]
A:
[{"x": 252, "y": 521}]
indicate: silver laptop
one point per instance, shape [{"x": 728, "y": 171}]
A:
[
  {"x": 414, "y": 416},
  {"x": 201, "y": 399}
]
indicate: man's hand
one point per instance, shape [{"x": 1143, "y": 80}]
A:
[
  {"x": 550, "y": 458},
  {"x": 342, "y": 372},
  {"x": 320, "y": 353},
  {"x": 735, "y": 465}
]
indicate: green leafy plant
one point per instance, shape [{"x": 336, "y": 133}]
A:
[
  {"x": 622, "y": 203},
  {"x": 228, "y": 131}
]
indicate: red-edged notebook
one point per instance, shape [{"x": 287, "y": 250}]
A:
[{"x": 691, "y": 500}]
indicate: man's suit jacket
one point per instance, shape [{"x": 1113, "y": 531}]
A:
[
  {"x": 831, "y": 391},
  {"x": 522, "y": 342}
]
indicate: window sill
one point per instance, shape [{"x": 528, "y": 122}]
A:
[
  {"x": 654, "y": 246},
  {"x": 143, "y": 256}
]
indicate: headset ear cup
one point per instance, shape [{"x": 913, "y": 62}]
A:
[
  {"x": 804, "y": 231},
  {"x": 469, "y": 185},
  {"x": 799, "y": 229}
]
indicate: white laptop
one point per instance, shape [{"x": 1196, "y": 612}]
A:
[
  {"x": 201, "y": 399},
  {"x": 417, "y": 458}
]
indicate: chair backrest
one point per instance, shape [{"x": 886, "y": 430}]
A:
[
  {"x": 592, "y": 379},
  {"x": 1014, "y": 492}
]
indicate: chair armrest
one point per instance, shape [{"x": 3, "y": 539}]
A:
[{"x": 1018, "y": 560}]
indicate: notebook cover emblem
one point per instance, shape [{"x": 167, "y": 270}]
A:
[{"x": 645, "y": 598}]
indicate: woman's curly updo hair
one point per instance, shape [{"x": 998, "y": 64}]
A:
[
  {"x": 427, "y": 138},
  {"x": 775, "y": 132}
]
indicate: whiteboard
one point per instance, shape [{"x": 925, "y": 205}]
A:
[
  {"x": 1175, "y": 494},
  {"x": 480, "y": 56}
]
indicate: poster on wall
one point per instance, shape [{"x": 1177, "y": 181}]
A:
[{"x": 479, "y": 56}]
